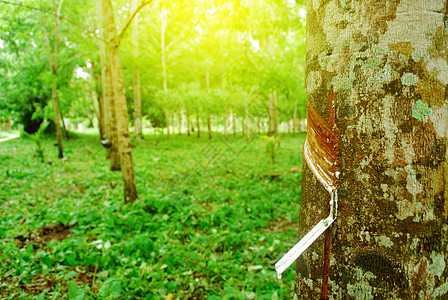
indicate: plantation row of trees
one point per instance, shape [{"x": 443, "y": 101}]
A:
[{"x": 203, "y": 61}]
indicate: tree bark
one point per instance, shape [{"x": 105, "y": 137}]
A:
[
  {"x": 209, "y": 125},
  {"x": 294, "y": 120},
  {"x": 179, "y": 122},
  {"x": 273, "y": 113},
  {"x": 198, "y": 124},
  {"x": 113, "y": 153},
  {"x": 232, "y": 121},
  {"x": 246, "y": 111},
  {"x": 226, "y": 123},
  {"x": 53, "y": 61},
  {"x": 188, "y": 123},
  {"x": 136, "y": 76},
  {"x": 388, "y": 66},
  {"x": 124, "y": 144},
  {"x": 167, "y": 123}
]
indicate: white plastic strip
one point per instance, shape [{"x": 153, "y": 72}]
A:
[{"x": 292, "y": 255}]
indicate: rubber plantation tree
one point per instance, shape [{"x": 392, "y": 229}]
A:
[
  {"x": 124, "y": 144},
  {"x": 387, "y": 63},
  {"x": 53, "y": 51}
]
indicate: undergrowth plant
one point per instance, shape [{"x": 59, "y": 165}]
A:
[
  {"x": 36, "y": 137},
  {"x": 272, "y": 143}
]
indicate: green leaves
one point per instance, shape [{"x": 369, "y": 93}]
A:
[
  {"x": 74, "y": 291},
  {"x": 195, "y": 227}
]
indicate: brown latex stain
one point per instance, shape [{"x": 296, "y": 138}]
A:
[{"x": 323, "y": 141}]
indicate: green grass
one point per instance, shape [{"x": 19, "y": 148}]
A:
[{"x": 211, "y": 220}]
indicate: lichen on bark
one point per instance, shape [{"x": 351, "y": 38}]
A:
[{"x": 387, "y": 62}]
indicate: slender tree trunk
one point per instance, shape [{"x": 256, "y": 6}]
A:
[
  {"x": 294, "y": 120},
  {"x": 124, "y": 144},
  {"x": 53, "y": 61},
  {"x": 242, "y": 126},
  {"x": 246, "y": 110},
  {"x": 188, "y": 123},
  {"x": 232, "y": 121},
  {"x": 209, "y": 125},
  {"x": 273, "y": 113},
  {"x": 100, "y": 109},
  {"x": 388, "y": 67},
  {"x": 54, "y": 93},
  {"x": 226, "y": 123},
  {"x": 63, "y": 125},
  {"x": 198, "y": 124},
  {"x": 167, "y": 121},
  {"x": 106, "y": 92},
  {"x": 113, "y": 153},
  {"x": 179, "y": 122},
  {"x": 163, "y": 26},
  {"x": 136, "y": 76}
]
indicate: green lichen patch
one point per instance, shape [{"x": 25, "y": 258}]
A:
[
  {"x": 418, "y": 54},
  {"x": 441, "y": 290},
  {"x": 361, "y": 288},
  {"x": 420, "y": 110},
  {"x": 372, "y": 63},
  {"x": 340, "y": 82},
  {"x": 384, "y": 241},
  {"x": 323, "y": 59},
  {"x": 409, "y": 79},
  {"x": 438, "y": 264}
]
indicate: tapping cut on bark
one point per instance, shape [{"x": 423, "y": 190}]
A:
[{"x": 321, "y": 155}]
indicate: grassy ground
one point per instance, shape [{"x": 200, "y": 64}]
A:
[{"x": 211, "y": 221}]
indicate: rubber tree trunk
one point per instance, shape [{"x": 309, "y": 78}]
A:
[
  {"x": 167, "y": 123},
  {"x": 124, "y": 144},
  {"x": 198, "y": 125},
  {"x": 113, "y": 153},
  {"x": 188, "y": 123},
  {"x": 273, "y": 113},
  {"x": 53, "y": 62},
  {"x": 246, "y": 113},
  {"x": 294, "y": 120},
  {"x": 163, "y": 26},
  {"x": 232, "y": 121},
  {"x": 110, "y": 125},
  {"x": 209, "y": 125},
  {"x": 136, "y": 76},
  {"x": 389, "y": 70},
  {"x": 226, "y": 123}
]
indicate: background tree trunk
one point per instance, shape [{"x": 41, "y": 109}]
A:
[
  {"x": 209, "y": 125},
  {"x": 167, "y": 123},
  {"x": 226, "y": 123},
  {"x": 389, "y": 70},
  {"x": 112, "y": 124},
  {"x": 188, "y": 123},
  {"x": 136, "y": 76},
  {"x": 53, "y": 61},
  {"x": 198, "y": 124},
  {"x": 273, "y": 113},
  {"x": 124, "y": 144},
  {"x": 246, "y": 112},
  {"x": 294, "y": 120}
]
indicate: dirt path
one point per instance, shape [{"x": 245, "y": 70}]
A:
[{"x": 10, "y": 137}]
